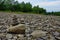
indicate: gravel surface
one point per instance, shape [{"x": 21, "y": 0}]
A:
[{"x": 38, "y": 27}]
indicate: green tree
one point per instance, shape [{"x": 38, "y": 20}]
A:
[
  {"x": 28, "y": 7},
  {"x": 22, "y": 6},
  {"x": 15, "y": 6},
  {"x": 37, "y": 9},
  {"x": 2, "y": 6},
  {"x": 12, "y": 5}
]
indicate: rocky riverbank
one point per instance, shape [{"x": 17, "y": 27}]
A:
[{"x": 37, "y": 27}]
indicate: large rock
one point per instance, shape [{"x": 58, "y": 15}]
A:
[
  {"x": 38, "y": 33},
  {"x": 20, "y": 29}
]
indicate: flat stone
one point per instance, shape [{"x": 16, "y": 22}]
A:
[
  {"x": 9, "y": 36},
  {"x": 58, "y": 38},
  {"x": 0, "y": 26},
  {"x": 56, "y": 33},
  {"x": 20, "y": 36},
  {"x": 2, "y": 36},
  {"x": 13, "y": 39},
  {"x": 9, "y": 39},
  {"x": 38, "y": 33},
  {"x": 19, "y": 29}
]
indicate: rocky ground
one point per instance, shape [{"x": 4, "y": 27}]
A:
[{"x": 38, "y": 27}]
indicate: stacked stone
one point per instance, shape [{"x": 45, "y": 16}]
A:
[
  {"x": 14, "y": 21},
  {"x": 27, "y": 32}
]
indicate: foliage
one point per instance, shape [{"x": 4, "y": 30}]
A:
[
  {"x": 12, "y": 5},
  {"x": 53, "y": 13},
  {"x": 15, "y": 6},
  {"x": 36, "y": 9}
]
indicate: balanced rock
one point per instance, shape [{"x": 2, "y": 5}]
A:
[
  {"x": 19, "y": 29},
  {"x": 15, "y": 20},
  {"x": 38, "y": 33}
]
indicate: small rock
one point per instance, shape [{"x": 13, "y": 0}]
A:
[
  {"x": 9, "y": 36},
  {"x": 0, "y": 26},
  {"x": 2, "y": 36},
  {"x": 56, "y": 33},
  {"x": 58, "y": 38},
  {"x": 20, "y": 36},
  {"x": 13, "y": 39},
  {"x": 9, "y": 39}
]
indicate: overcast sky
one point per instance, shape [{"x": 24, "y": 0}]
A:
[{"x": 49, "y": 5}]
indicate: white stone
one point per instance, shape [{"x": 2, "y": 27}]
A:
[
  {"x": 9, "y": 36},
  {"x": 17, "y": 29},
  {"x": 56, "y": 33},
  {"x": 20, "y": 36},
  {"x": 38, "y": 33}
]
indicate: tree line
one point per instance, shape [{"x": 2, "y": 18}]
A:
[
  {"x": 53, "y": 13},
  {"x": 15, "y": 6},
  {"x": 12, "y": 5}
]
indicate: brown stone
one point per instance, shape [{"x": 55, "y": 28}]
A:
[{"x": 20, "y": 29}]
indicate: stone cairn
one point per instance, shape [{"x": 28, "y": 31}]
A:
[{"x": 14, "y": 21}]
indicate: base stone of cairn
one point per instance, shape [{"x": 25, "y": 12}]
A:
[{"x": 19, "y": 29}]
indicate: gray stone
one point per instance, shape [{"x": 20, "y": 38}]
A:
[
  {"x": 0, "y": 26},
  {"x": 58, "y": 38},
  {"x": 2, "y": 35},
  {"x": 20, "y": 36},
  {"x": 9, "y": 36},
  {"x": 56, "y": 33},
  {"x": 13, "y": 39},
  {"x": 38, "y": 33},
  {"x": 9, "y": 39}
]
